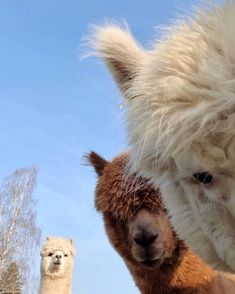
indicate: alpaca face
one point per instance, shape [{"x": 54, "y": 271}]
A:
[
  {"x": 57, "y": 256},
  {"x": 55, "y": 261},
  {"x": 151, "y": 238},
  {"x": 134, "y": 216},
  {"x": 180, "y": 118}
]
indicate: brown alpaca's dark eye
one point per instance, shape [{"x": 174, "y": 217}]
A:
[
  {"x": 204, "y": 178},
  {"x": 50, "y": 254}
]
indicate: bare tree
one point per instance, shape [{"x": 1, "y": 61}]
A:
[
  {"x": 10, "y": 280},
  {"x": 19, "y": 235}
]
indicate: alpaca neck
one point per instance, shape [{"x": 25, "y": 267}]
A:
[
  {"x": 56, "y": 285},
  {"x": 189, "y": 275}
]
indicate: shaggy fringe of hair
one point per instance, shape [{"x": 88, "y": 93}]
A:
[
  {"x": 57, "y": 243},
  {"x": 191, "y": 96},
  {"x": 190, "y": 93},
  {"x": 120, "y": 194}
]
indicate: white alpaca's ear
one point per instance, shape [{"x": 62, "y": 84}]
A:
[
  {"x": 42, "y": 253},
  {"x": 122, "y": 54},
  {"x": 72, "y": 249},
  {"x": 48, "y": 238}
]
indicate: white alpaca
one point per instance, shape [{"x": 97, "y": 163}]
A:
[
  {"x": 181, "y": 122},
  {"x": 57, "y": 266}
]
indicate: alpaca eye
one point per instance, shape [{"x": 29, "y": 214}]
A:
[
  {"x": 66, "y": 255},
  {"x": 204, "y": 178},
  {"x": 50, "y": 254}
]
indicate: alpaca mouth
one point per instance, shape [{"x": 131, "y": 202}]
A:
[
  {"x": 152, "y": 263},
  {"x": 57, "y": 263}
]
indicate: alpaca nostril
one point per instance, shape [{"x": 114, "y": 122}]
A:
[
  {"x": 144, "y": 241},
  {"x": 58, "y": 256},
  {"x": 152, "y": 238}
]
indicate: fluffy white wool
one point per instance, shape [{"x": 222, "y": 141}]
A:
[
  {"x": 181, "y": 120},
  {"x": 56, "y": 266}
]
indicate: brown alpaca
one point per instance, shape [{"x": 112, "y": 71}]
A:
[{"x": 139, "y": 229}]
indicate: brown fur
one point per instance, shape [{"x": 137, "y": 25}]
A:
[
  {"x": 119, "y": 188},
  {"x": 121, "y": 200}
]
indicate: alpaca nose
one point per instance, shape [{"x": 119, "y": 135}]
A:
[
  {"x": 145, "y": 239},
  {"x": 58, "y": 256}
]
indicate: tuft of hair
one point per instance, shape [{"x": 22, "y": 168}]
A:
[
  {"x": 123, "y": 195},
  {"x": 188, "y": 89},
  {"x": 59, "y": 244},
  {"x": 98, "y": 162},
  {"x": 186, "y": 84}
]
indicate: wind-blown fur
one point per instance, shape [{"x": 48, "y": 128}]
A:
[
  {"x": 181, "y": 117},
  {"x": 121, "y": 200},
  {"x": 57, "y": 266}
]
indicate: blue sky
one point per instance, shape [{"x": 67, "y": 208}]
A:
[{"x": 54, "y": 107}]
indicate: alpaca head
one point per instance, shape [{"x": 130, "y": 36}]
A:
[
  {"x": 180, "y": 100},
  {"x": 57, "y": 257},
  {"x": 135, "y": 219}
]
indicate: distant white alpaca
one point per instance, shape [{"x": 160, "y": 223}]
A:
[
  {"x": 181, "y": 122},
  {"x": 57, "y": 266}
]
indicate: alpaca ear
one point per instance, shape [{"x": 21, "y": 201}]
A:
[
  {"x": 122, "y": 54},
  {"x": 72, "y": 250},
  {"x": 43, "y": 251},
  {"x": 98, "y": 162},
  {"x": 47, "y": 238}
]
